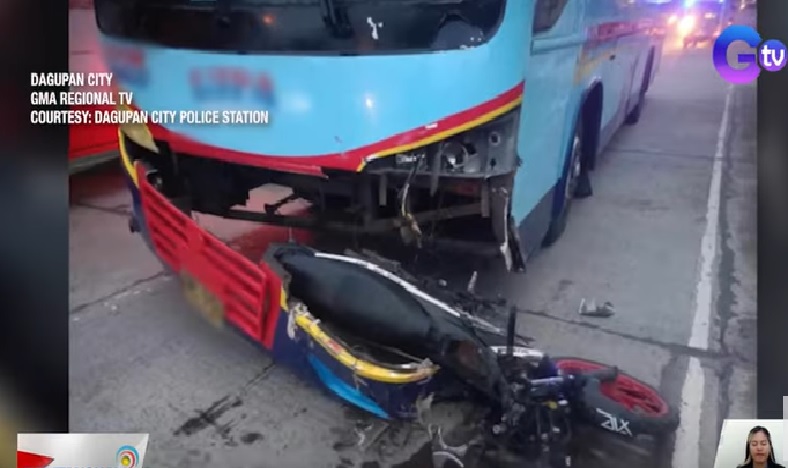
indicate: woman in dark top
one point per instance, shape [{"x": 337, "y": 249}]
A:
[{"x": 758, "y": 453}]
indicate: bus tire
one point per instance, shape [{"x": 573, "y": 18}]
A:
[{"x": 575, "y": 183}]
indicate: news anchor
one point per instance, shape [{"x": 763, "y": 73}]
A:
[{"x": 759, "y": 453}]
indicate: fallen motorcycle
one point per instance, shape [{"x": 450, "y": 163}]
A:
[
  {"x": 535, "y": 402},
  {"x": 552, "y": 401},
  {"x": 387, "y": 342}
]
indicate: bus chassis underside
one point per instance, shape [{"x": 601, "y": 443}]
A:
[{"x": 425, "y": 210}]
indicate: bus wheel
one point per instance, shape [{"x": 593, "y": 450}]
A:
[{"x": 575, "y": 183}]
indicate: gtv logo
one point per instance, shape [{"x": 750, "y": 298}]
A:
[{"x": 739, "y": 54}]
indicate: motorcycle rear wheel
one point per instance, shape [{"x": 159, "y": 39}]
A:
[{"x": 626, "y": 406}]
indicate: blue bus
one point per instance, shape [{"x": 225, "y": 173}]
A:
[{"x": 465, "y": 124}]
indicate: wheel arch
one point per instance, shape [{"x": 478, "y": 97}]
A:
[{"x": 588, "y": 114}]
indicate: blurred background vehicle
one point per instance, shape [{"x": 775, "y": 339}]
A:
[
  {"x": 689, "y": 23},
  {"x": 702, "y": 21},
  {"x": 88, "y": 144}
]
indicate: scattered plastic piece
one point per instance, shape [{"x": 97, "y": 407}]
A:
[{"x": 590, "y": 309}]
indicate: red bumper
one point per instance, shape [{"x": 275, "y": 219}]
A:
[
  {"x": 85, "y": 141},
  {"x": 250, "y": 292}
]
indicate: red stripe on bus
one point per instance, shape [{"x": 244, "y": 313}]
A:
[{"x": 349, "y": 160}]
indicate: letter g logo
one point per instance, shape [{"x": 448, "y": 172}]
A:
[{"x": 744, "y": 67}]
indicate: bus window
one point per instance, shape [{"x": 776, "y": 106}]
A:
[
  {"x": 547, "y": 14},
  {"x": 299, "y": 27}
]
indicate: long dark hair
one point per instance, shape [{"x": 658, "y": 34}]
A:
[{"x": 770, "y": 461}]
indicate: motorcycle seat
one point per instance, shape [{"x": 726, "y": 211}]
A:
[{"x": 358, "y": 301}]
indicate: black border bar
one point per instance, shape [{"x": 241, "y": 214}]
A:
[
  {"x": 34, "y": 223},
  {"x": 772, "y": 220},
  {"x": 33, "y": 228}
]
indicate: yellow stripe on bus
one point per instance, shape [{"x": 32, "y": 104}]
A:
[{"x": 481, "y": 120}]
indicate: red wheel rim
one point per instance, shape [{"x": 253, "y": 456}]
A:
[{"x": 627, "y": 391}]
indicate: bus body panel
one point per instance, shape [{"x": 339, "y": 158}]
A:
[
  {"x": 634, "y": 50},
  {"x": 88, "y": 144},
  {"x": 345, "y": 102},
  {"x": 552, "y": 97},
  {"x": 328, "y": 106},
  {"x": 604, "y": 49},
  {"x": 581, "y": 51}
]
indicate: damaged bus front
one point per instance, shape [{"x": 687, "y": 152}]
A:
[
  {"x": 458, "y": 123},
  {"x": 386, "y": 116}
]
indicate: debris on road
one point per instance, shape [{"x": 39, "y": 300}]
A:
[{"x": 590, "y": 309}]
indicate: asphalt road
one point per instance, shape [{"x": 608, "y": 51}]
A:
[{"x": 684, "y": 292}]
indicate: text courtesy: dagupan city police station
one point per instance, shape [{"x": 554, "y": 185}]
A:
[{"x": 89, "y": 101}]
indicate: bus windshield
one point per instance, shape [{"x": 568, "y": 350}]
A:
[{"x": 303, "y": 26}]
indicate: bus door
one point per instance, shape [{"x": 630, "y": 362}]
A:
[
  {"x": 549, "y": 81},
  {"x": 631, "y": 53},
  {"x": 605, "y": 24}
]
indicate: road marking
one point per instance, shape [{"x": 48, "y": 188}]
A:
[{"x": 686, "y": 454}]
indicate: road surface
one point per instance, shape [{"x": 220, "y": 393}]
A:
[{"x": 675, "y": 258}]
